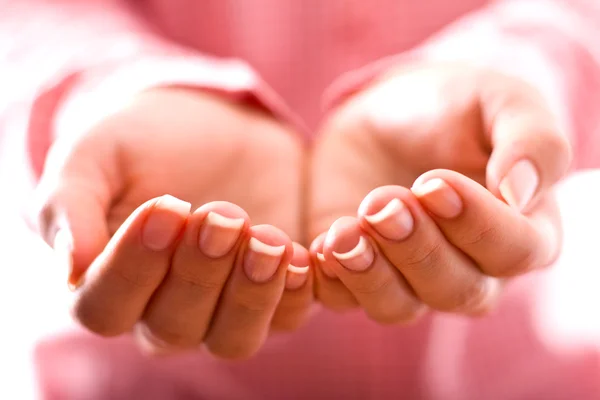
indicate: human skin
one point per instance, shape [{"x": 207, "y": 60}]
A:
[
  {"x": 218, "y": 247},
  {"x": 430, "y": 187}
]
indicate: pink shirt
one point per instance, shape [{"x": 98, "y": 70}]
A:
[{"x": 65, "y": 63}]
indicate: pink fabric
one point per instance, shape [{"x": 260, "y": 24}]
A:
[{"x": 65, "y": 63}]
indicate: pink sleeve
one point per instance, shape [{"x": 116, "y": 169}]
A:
[
  {"x": 69, "y": 62},
  {"x": 553, "y": 44}
]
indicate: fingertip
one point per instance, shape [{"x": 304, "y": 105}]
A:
[
  {"x": 174, "y": 204},
  {"x": 300, "y": 256},
  {"x": 519, "y": 186},
  {"x": 296, "y": 277},
  {"x": 163, "y": 222},
  {"x": 316, "y": 246},
  {"x": 448, "y": 195},
  {"x": 443, "y": 174},
  {"x": 298, "y": 297},
  {"x": 380, "y": 197},
  {"x": 439, "y": 197},
  {"x": 223, "y": 208},
  {"x": 267, "y": 254},
  {"x": 73, "y": 225},
  {"x": 349, "y": 246},
  {"x": 217, "y": 228},
  {"x": 342, "y": 237},
  {"x": 273, "y": 237},
  {"x": 526, "y": 161},
  {"x": 318, "y": 257}
]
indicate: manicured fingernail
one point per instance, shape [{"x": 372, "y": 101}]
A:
[
  {"x": 164, "y": 222},
  {"x": 219, "y": 234},
  {"x": 520, "y": 184},
  {"x": 359, "y": 258},
  {"x": 323, "y": 264},
  {"x": 296, "y": 277},
  {"x": 439, "y": 198},
  {"x": 63, "y": 248},
  {"x": 393, "y": 222},
  {"x": 262, "y": 260}
]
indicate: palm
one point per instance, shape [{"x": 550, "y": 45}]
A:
[
  {"x": 249, "y": 161},
  {"x": 442, "y": 129}
]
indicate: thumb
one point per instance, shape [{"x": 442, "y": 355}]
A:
[
  {"x": 530, "y": 153},
  {"x": 72, "y": 202}
]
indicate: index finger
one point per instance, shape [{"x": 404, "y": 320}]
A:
[
  {"x": 120, "y": 282},
  {"x": 501, "y": 241}
]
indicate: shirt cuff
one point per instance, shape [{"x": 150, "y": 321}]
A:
[
  {"x": 83, "y": 98},
  {"x": 103, "y": 91}
]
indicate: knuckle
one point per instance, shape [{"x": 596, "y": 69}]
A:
[
  {"x": 255, "y": 304},
  {"x": 289, "y": 323},
  {"x": 337, "y": 299},
  {"x": 473, "y": 297},
  {"x": 171, "y": 337},
  {"x": 395, "y": 314},
  {"x": 94, "y": 321},
  {"x": 338, "y": 305},
  {"x": 425, "y": 256},
  {"x": 559, "y": 145},
  {"x": 523, "y": 260},
  {"x": 284, "y": 325},
  {"x": 370, "y": 287},
  {"x": 140, "y": 277},
  {"x": 239, "y": 351},
  {"x": 485, "y": 233},
  {"x": 467, "y": 298},
  {"x": 560, "y": 150},
  {"x": 289, "y": 317},
  {"x": 204, "y": 284}
]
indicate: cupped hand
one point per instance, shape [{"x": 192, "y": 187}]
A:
[
  {"x": 144, "y": 261},
  {"x": 430, "y": 185}
]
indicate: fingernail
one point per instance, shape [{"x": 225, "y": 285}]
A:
[
  {"x": 261, "y": 261},
  {"x": 323, "y": 264},
  {"x": 321, "y": 257},
  {"x": 219, "y": 234},
  {"x": 393, "y": 222},
  {"x": 296, "y": 277},
  {"x": 359, "y": 258},
  {"x": 63, "y": 249},
  {"x": 439, "y": 198},
  {"x": 520, "y": 184},
  {"x": 165, "y": 221}
]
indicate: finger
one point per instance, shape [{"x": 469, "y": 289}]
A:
[
  {"x": 530, "y": 153},
  {"x": 248, "y": 302},
  {"x": 73, "y": 197},
  {"x": 329, "y": 290},
  {"x": 502, "y": 242},
  {"x": 179, "y": 313},
  {"x": 120, "y": 282},
  {"x": 297, "y": 300},
  {"x": 440, "y": 274},
  {"x": 378, "y": 286}
]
